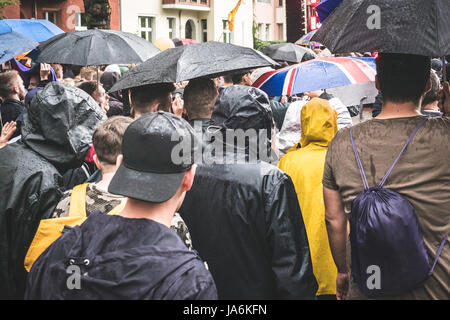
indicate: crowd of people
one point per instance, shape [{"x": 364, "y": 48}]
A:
[{"x": 258, "y": 219}]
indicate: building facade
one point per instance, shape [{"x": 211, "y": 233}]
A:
[
  {"x": 200, "y": 20},
  {"x": 270, "y": 19},
  {"x": 66, "y": 14}
]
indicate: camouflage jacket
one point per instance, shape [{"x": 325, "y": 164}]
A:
[{"x": 99, "y": 200}]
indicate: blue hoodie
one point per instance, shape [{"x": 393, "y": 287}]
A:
[{"x": 120, "y": 259}]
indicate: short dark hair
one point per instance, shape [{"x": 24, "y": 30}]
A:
[
  {"x": 433, "y": 94},
  {"x": 142, "y": 98},
  {"x": 403, "y": 77},
  {"x": 89, "y": 87},
  {"x": 227, "y": 78},
  {"x": 8, "y": 80},
  {"x": 107, "y": 139},
  {"x": 237, "y": 76},
  {"x": 200, "y": 95}
]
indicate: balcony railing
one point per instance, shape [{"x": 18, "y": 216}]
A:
[{"x": 195, "y": 5}]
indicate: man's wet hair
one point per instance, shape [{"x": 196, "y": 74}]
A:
[
  {"x": 237, "y": 76},
  {"x": 432, "y": 95},
  {"x": 108, "y": 138},
  {"x": 403, "y": 77},
  {"x": 200, "y": 95},
  {"x": 142, "y": 98},
  {"x": 8, "y": 80},
  {"x": 89, "y": 87}
]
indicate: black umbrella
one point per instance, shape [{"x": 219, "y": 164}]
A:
[
  {"x": 209, "y": 59},
  {"x": 96, "y": 47},
  {"x": 288, "y": 52},
  {"x": 402, "y": 26}
]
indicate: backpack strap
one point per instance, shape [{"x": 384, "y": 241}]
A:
[
  {"x": 118, "y": 209},
  {"x": 358, "y": 161},
  {"x": 438, "y": 254},
  {"x": 360, "y": 166},
  {"x": 78, "y": 201},
  {"x": 421, "y": 124}
]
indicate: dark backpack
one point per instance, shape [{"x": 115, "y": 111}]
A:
[{"x": 388, "y": 251}]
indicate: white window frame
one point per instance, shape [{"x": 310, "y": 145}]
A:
[
  {"x": 226, "y": 31},
  {"x": 172, "y": 30},
  {"x": 147, "y": 28}
]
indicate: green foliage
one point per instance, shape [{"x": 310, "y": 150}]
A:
[
  {"x": 259, "y": 44},
  {"x": 5, "y": 3}
]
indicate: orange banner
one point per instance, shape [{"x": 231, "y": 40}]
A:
[{"x": 232, "y": 16}]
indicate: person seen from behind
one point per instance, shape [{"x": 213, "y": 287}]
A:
[
  {"x": 56, "y": 135},
  {"x": 133, "y": 255},
  {"x": 421, "y": 176},
  {"x": 305, "y": 167},
  {"x": 200, "y": 95}
]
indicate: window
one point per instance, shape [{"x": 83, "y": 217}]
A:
[
  {"x": 51, "y": 16},
  {"x": 280, "y": 27},
  {"x": 268, "y": 37},
  {"x": 171, "y": 23},
  {"x": 146, "y": 28},
  {"x": 80, "y": 21},
  {"x": 265, "y": 1},
  {"x": 226, "y": 32},
  {"x": 280, "y": 3},
  {"x": 204, "y": 30},
  {"x": 260, "y": 31}
]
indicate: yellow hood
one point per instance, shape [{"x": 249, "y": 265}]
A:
[{"x": 318, "y": 123}]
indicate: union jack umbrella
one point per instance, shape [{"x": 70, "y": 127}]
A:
[{"x": 318, "y": 74}]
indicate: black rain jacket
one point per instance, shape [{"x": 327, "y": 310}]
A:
[
  {"x": 244, "y": 218},
  {"x": 119, "y": 259},
  {"x": 56, "y": 134}
]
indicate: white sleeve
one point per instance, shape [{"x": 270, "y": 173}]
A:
[{"x": 344, "y": 118}]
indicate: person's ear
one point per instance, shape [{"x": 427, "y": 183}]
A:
[
  {"x": 97, "y": 162},
  {"x": 377, "y": 83},
  {"x": 188, "y": 180},
  {"x": 428, "y": 87},
  {"x": 119, "y": 160}
]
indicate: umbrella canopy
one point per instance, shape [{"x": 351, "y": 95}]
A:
[
  {"x": 182, "y": 42},
  {"x": 306, "y": 40},
  {"x": 354, "y": 94},
  {"x": 208, "y": 59},
  {"x": 95, "y": 47},
  {"x": 288, "y": 52},
  {"x": 13, "y": 43},
  {"x": 326, "y": 7},
  {"x": 318, "y": 74},
  {"x": 401, "y": 26},
  {"x": 36, "y": 29}
]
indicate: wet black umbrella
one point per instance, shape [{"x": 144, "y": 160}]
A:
[
  {"x": 95, "y": 47},
  {"x": 402, "y": 26},
  {"x": 209, "y": 59},
  {"x": 288, "y": 52}
]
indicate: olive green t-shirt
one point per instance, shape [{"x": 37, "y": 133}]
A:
[{"x": 422, "y": 176}]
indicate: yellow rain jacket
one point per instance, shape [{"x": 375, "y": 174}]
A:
[{"x": 305, "y": 166}]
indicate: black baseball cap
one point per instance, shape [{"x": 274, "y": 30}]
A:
[{"x": 150, "y": 171}]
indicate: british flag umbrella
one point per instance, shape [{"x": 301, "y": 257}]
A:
[{"x": 318, "y": 74}]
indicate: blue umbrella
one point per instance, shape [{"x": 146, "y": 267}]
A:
[
  {"x": 326, "y": 7},
  {"x": 38, "y": 30},
  {"x": 12, "y": 43}
]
